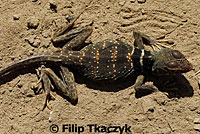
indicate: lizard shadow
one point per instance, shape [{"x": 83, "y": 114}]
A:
[
  {"x": 178, "y": 85},
  {"x": 181, "y": 88}
]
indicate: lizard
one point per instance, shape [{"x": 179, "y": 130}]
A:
[{"x": 105, "y": 60}]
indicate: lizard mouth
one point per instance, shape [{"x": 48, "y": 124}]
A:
[
  {"x": 174, "y": 71},
  {"x": 184, "y": 67}
]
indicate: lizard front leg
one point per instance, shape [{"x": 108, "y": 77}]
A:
[
  {"x": 140, "y": 40},
  {"x": 143, "y": 89}
]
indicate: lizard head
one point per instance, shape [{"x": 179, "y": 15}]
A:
[{"x": 168, "y": 61}]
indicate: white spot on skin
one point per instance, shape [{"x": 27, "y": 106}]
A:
[
  {"x": 131, "y": 63},
  {"x": 141, "y": 57}
]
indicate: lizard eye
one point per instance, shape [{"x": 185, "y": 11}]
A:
[
  {"x": 177, "y": 54},
  {"x": 172, "y": 64}
]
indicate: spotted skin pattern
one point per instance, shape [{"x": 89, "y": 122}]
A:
[{"x": 110, "y": 60}]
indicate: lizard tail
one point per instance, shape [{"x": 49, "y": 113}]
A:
[{"x": 29, "y": 61}]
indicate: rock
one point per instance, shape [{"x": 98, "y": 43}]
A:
[
  {"x": 32, "y": 23},
  {"x": 141, "y": 1},
  {"x": 34, "y": 0},
  {"x": 16, "y": 17}
]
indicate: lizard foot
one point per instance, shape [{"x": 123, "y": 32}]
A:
[{"x": 145, "y": 89}]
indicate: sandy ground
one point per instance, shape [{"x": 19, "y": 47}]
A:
[{"x": 25, "y": 30}]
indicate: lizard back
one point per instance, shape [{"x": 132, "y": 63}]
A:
[{"x": 110, "y": 59}]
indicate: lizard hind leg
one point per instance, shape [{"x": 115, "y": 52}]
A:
[
  {"x": 47, "y": 86},
  {"x": 66, "y": 86},
  {"x": 68, "y": 79}
]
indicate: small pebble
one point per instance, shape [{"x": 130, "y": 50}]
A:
[
  {"x": 196, "y": 121},
  {"x": 69, "y": 18},
  {"x": 30, "y": 52},
  {"x": 30, "y": 39},
  {"x": 141, "y": 1},
  {"x": 15, "y": 17},
  {"x": 132, "y": 1},
  {"x": 142, "y": 11},
  {"x": 50, "y": 118},
  {"x": 193, "y": 107},
  {"x": 32, "y": 23},
  {"x": 20, "y": 85},
  {"x": 34, "y": 86},
  {"x": 36, "y": 43},
  {"x": 189, "y": 118},
  {"x": 148, "y": 105},
  {"x": 198, "y": 110},
  {"x": 12, "y": 57},
  {"x": 34, "y": 0},
  {"x": 121, "y": 3},
  {"x": 53, "y": 5},
  {"x": 45, "y": 43},
  {"x": 197, "y": 127},
  {"x": 33, "y": 41}
]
